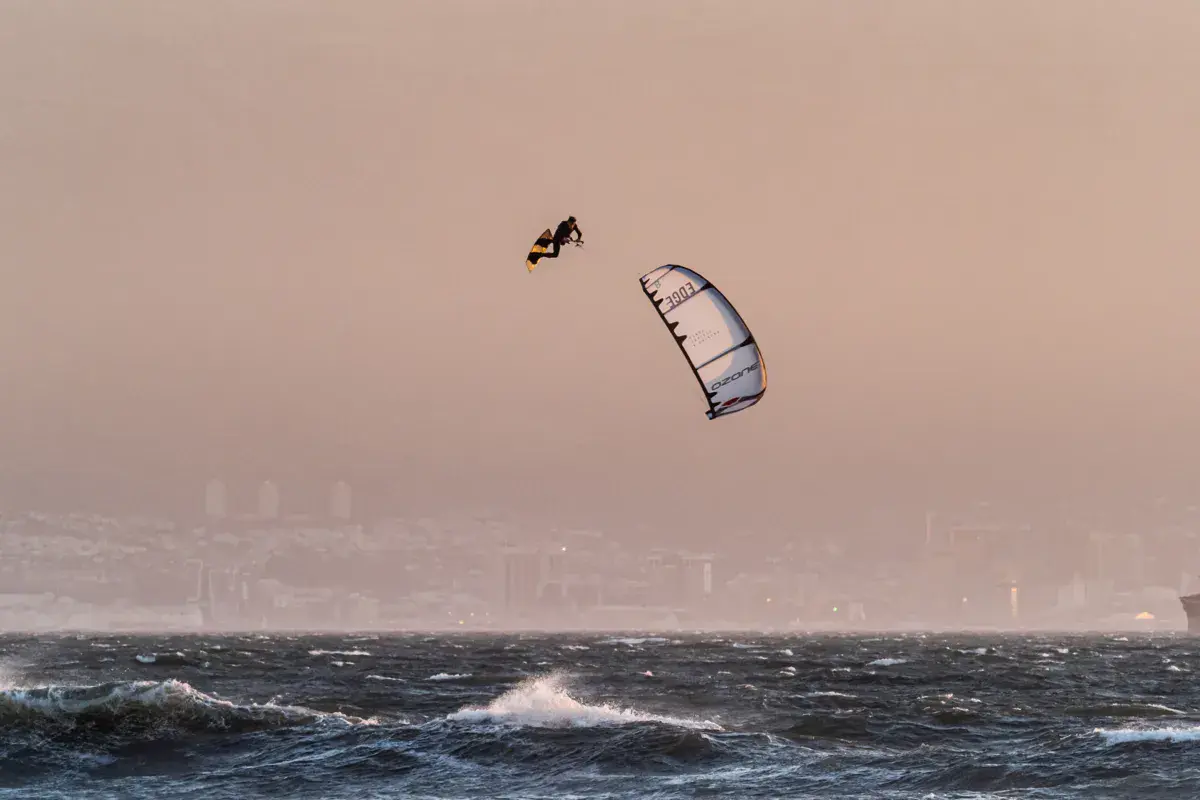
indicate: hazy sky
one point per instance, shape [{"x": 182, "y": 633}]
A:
[{"x": 288, "y": 237}]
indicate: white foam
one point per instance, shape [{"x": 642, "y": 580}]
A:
[
  {"x": 338, "y": 653},
  {"x": 385, "y": 678},
  {"x": 10, "y": 677},
  {"x": 1128, "y": 735},
  {"x": 887, "y": 662},
  {"x": 544, "y": 703},
  {"x": 445, "y": 676}
]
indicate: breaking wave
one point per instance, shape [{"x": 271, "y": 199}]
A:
[
  {"x": 147, "y": 707},
  {"x": 545, "y": 703}
]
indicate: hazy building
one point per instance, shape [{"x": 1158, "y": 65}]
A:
[
  {"x": 216, "y": 500},
  {"x": 522, "y": 577},
  {"x": 696, "y": 574},
  {"x": 660, "y": 572},
  {"x": 971, "y": 569},
  {"x": 268, "y": 500},
  {"x": 1116, "y": 560},
  {"x": 552, "y": 585},
  {"x": 340, "y": 501}
]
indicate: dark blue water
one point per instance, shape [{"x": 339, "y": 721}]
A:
[{"x": 600, "y": 716}]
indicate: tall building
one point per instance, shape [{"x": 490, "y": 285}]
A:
[
  {"x": 268, "y": 500},
  {"x": 971, "y": 569},
  {"x": 552, "y": 582},
  {"x": 339, "y": 501},
  {"x": 1117, "y": 560},
  {"x": 697, "y": 577},
  {"x": 522, "y": 577},
  {"x": 216, "y": 500}
]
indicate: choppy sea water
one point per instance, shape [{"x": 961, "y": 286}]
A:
[{"x": 599, "y": 716}]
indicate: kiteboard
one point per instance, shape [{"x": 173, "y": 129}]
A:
[{"x": 539, "y": 247}]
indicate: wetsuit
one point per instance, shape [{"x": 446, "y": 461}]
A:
[{"x": 562, "y": 235}]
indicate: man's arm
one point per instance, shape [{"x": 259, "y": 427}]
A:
[{"x": 578, "y": 234}]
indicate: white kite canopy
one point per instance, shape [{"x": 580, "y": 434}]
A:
[{"x": 712, "y": 336}]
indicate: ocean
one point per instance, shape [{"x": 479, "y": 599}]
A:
[{"x": 600, "y": 716}]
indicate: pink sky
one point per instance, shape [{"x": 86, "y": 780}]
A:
[{"x": 258, "y": 235}]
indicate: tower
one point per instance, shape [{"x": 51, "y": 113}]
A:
[
  {"x": 268, "y": 500},
  {"x": 340, "y": 501},
  {"x": 216, "y": 500}
]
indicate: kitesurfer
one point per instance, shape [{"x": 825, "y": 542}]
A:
[{"x": 562, "y": 235}]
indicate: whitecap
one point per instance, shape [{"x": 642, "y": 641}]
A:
[
  {"x": 1129, "y": 735},
  {"x": 544, "y": 703}
]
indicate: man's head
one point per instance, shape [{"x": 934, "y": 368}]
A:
[{"x": 570, "y": 219}]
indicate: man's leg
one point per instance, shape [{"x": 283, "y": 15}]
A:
[{"x": 553, "y": 253}]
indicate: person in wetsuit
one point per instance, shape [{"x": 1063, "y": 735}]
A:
[{"x": 562, "y": 235}]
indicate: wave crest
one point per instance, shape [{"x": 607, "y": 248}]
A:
[
  {"x": 149, "y": 707},
  {"x": 545, "y": 703}
]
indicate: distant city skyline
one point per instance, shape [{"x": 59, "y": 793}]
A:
[{"x": 268, "y": 568}]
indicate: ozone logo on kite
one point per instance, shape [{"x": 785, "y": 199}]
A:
[{"x": 740, "y": 373}]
